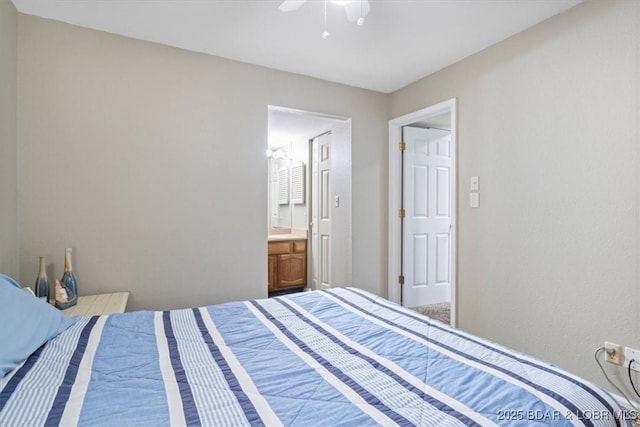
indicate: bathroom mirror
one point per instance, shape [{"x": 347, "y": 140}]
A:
[
  {"x": 287, "y": 185},
  {"x": 280, "y": 206}
]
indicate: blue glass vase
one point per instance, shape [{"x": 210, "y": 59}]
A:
[
  {"x": 69, "y": 284},
  {"x": 42, "y": 287}
]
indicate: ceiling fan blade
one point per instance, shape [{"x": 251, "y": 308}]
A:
[
  {"x": 289, "y": 5},
  {"x": 357, "y": 9}
]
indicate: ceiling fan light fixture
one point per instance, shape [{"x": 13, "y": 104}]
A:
[
  {"x": 355, "y": 10},
  {"x": 289, "y": 5}
]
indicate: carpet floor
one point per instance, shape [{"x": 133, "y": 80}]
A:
[{"x": 440, "y": 311}]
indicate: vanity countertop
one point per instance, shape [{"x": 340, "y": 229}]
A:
[{"x": 281, "y": 237}]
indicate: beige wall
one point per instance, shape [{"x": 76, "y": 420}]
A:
[
  {"x": 549, "y": 120},
  {"x": 150, "y": 161},
  {"x": 8, "y": 139},
  {"x": 124, "y": 149}
]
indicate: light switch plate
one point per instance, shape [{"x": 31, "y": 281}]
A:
[
  {"x": 475, "y": 183},
  {"x": 474, "y": 200}
]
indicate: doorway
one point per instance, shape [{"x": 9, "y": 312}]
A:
[
  {"x": 329, "y": 259},
  {"x": 422, "y": 203}
]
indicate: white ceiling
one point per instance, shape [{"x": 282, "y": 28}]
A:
[{"x": 401, "y": 41}]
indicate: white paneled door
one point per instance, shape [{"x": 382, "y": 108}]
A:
[
  {"x": 321, "y": 211},
  {"x": 426, "y": 237}
]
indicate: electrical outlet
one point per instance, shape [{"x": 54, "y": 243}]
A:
[
  {"x": 632, "y": 354},
  {"x": 616, "y": 356}
]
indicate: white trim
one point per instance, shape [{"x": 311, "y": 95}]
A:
[
  {"x": 395, "y": 136},
  {"x": 306, "y": 113}
]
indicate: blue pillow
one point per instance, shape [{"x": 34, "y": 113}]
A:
[
  {"x": 10, "y": 280},
  {"x": 26, "y": 322}
]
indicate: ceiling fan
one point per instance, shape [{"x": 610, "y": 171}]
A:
[{"x": 356, "y": 10}]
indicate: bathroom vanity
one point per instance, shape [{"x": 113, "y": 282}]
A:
[{"x": 287, "y": 261}]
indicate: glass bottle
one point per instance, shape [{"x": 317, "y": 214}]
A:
[
  {"x": 69, "y": 283},
  {"x": 42, "y": 287}
]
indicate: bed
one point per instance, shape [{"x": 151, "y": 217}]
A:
[{"x": 329, "y": 358}]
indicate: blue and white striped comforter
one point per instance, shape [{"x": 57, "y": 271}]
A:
[{"x": 339, "y": 357}]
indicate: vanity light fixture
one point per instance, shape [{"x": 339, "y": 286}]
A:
[{"x": 278, "y": 154}]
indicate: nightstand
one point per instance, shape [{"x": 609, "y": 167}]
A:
[{"x": 96, "y": 305}]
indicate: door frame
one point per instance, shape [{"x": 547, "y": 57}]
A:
[
  {"x": 395, "y": 194},
  {"x": 342, "y": 223}
]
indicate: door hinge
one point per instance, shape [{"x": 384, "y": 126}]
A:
[
  {"x": 402, "y": 146},
  {"x": 401, "y": 213},
  {"x": 401, "y": 280}
]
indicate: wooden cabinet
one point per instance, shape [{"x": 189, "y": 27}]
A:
[
  {"x": 273, "y": 269},
  {"x": 287, "y": 264}
]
